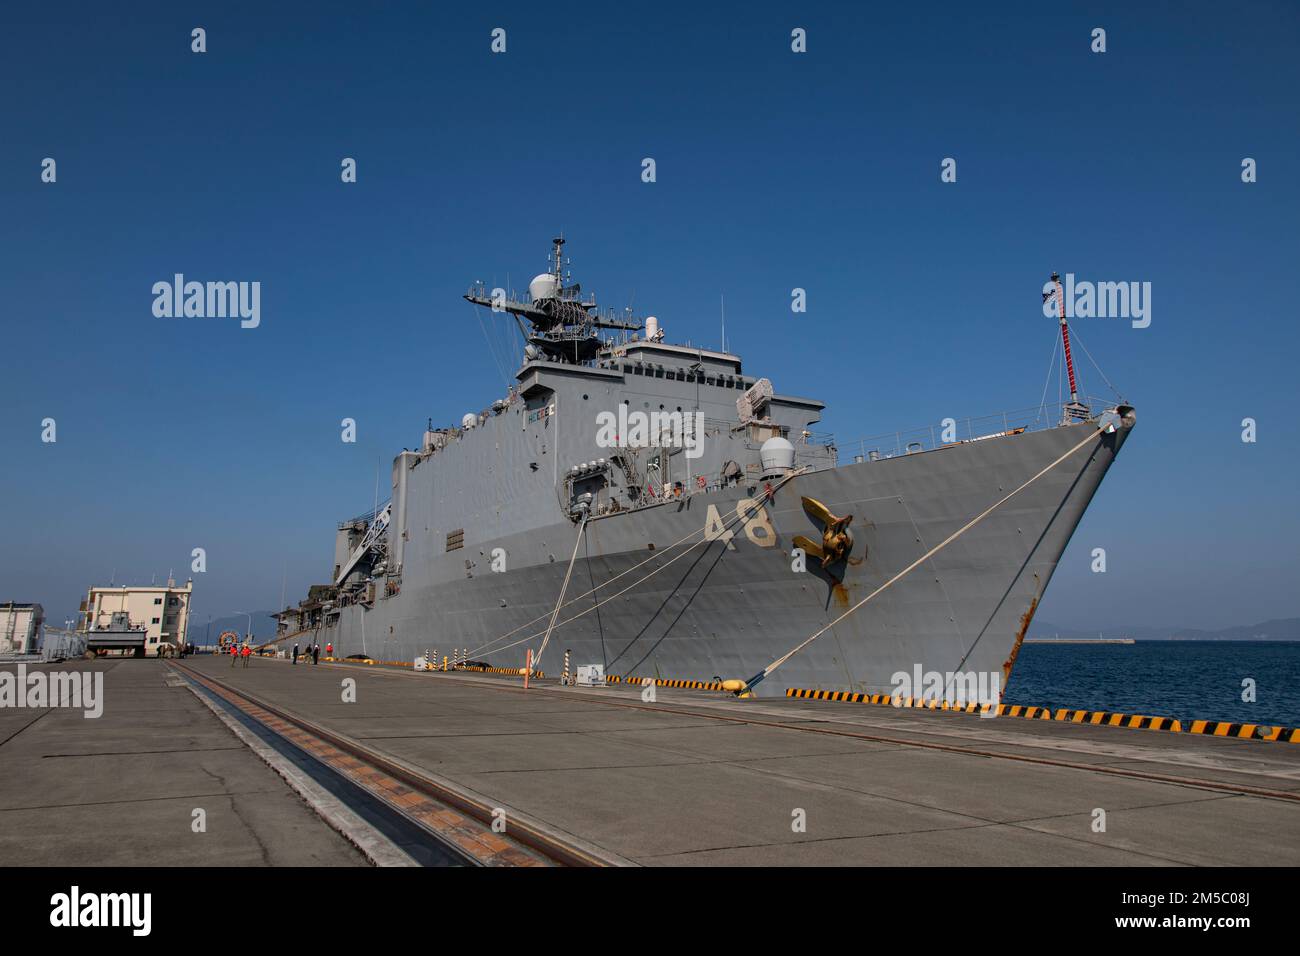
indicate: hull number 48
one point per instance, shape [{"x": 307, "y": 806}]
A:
[{"x": 757, "y": 524}]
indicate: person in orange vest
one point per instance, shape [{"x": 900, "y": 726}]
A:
[
  {"x": 234, "y": 653},
  {"x": 247, "y": 652},
  {"x": 329, "y": 649}
]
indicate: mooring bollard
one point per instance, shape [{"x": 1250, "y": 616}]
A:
[{"x": 564, "y": 678}]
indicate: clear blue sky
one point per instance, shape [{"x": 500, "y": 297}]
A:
[{"x": 775, "y": 170}]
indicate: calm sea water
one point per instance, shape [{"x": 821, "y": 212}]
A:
[{"x": 1190, "y": 680}]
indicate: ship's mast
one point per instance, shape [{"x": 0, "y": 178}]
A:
[
  {"x": 1075, "y": 411},
  {"x": 1065, "y": 338},
  {"x": 565, "y": 321}
]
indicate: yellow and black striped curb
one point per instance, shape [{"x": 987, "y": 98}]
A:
[
  {"x": 664, "y": 682},
  {"x": 515, "y": 671},
  {"x": 518, "y": 672},
  {"x": 1214, "y": 728}
]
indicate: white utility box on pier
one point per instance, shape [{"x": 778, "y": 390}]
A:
[{"x": 591, "y": 675}]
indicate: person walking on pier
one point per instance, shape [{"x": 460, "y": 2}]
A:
[
  {"x": 295, "y": 652},
  {"x": 234, "y": 653},
  {"x": 248, "y": 652},
  {"x": 315, "y": 654},
  {"x": 329, "y": 649}
]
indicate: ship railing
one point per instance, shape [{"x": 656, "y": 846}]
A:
[
  {"x": 960, "y": 430},
  {"x": 366, "y": 518},
  {"x": 826, "y": 439}
]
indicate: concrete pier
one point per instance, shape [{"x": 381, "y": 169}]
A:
[
  {"x": 692, "y": 778},
  {"x": 699, "y": 778},
  {"x": 121, "y": 789}
]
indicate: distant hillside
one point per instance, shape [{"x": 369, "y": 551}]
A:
[{"x": 1283, "y": 629}]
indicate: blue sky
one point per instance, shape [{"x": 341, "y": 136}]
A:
[{"x": 775, "y": 170}]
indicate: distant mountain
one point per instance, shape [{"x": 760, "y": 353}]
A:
[
  {"x": 201, "y": 633},
  {"x": 1282, "y": 629}
]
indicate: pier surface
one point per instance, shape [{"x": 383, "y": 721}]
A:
[
  {"x": 122, "y": 789},
  {"x": 692, "y": 778}
]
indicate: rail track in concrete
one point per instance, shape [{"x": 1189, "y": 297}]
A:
[{"x": 433, "y": 823}]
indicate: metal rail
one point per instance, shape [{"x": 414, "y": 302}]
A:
[
  {"x": 544, "y": 844},
  {"x": 896, "y": 444}
]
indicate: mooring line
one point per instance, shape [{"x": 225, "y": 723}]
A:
[
  {"x": 772, "y": 667},
  {"x": 741, "y": 514},
  {"x": 559, "y": 603}
]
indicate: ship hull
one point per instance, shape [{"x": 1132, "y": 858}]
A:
[{"x": 728, "y": 607}]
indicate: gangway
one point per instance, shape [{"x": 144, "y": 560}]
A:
[{"x": 373, "y": 534}]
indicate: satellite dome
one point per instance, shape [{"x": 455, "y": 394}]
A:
[
  {"x": 542, "y": 286},
  {"x": 469, "y": 420},
  {"x": 777, "y": 454}
]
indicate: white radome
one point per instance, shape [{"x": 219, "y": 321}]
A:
[
  {"x": 468, "y": 420},
  {"x": 776, "y": 454},
  {"x": 542, "y": 286}
]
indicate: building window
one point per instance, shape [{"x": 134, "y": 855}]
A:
[
  {"x": 157, "y": 600},
  {"x": 155, "y": 621}
]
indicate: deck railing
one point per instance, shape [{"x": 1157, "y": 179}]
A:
[{"x": 925, "y": 438}]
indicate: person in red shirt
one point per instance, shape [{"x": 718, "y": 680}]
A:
[
  {"x": 247, "y": 652},
  {"x": 329, "y": 649},
  {"x": 234, "y": 654}
]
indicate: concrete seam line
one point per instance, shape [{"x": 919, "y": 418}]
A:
[{"x": 372, "y": 844}]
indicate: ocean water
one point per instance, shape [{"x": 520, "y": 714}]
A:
[{"x": 1189, "y": 680}]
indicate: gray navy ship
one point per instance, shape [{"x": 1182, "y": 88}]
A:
[{"x": 659, "y": 510}]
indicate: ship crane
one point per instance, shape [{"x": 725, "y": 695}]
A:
[{"x": 376, "y": 530}]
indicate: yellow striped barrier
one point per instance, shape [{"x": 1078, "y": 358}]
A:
[{"x": 1094, "y": 717}]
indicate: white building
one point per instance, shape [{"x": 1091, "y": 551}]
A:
[
  {"x": 20, "y": 627},
  {"x": 164, "y": 612}
]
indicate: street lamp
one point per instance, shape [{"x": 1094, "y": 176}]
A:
[{"x": 250, "y": 625}]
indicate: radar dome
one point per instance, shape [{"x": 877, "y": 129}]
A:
[
  {"x": 542, "y": 286},
  {"x": 469, "y": 420},
  {"x": 777, "y": 454}
]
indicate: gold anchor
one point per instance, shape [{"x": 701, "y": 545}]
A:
[{"x": 836, "y": 540}]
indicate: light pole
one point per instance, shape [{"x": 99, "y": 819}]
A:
[{"x": 250, "y": 625}]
